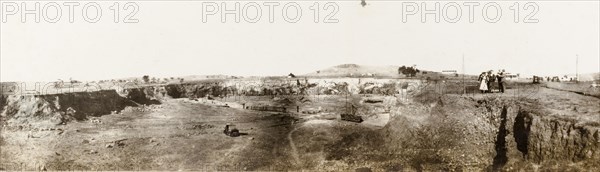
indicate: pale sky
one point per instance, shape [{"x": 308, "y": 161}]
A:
[{"x": 171, "y": 40}]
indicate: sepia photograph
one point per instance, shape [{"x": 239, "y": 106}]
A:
[{"x": 300, "y": 85}]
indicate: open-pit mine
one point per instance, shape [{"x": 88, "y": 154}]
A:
[{"x": 321, "y": 124}]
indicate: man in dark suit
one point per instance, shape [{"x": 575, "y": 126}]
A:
[
  {"x": 500, "y": 77},
  {"x": 491, "y": 78}
]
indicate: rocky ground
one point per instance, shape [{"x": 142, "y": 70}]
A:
[{"x": 535, "y": 129}]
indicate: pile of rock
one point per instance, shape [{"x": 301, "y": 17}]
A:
[{"x": 143, "y": 108}]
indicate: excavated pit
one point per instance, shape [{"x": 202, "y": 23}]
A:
[
  {"x": 424, "y": 134},
  {"x": 492, "y": 135},
  {"x": 530, "y": 137},
  {"x": 500, "y": 145}
]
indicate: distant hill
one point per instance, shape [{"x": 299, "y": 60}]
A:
[{"x": 346, "y": 70}]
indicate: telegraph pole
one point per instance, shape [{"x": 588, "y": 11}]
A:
[
  {"x": 577, "y": 68},
  {"x": 463, "y": 75}
]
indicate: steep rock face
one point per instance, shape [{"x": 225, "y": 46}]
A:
[
  {"x": 289, "y": 87},
  {"x": 529, "y": 135},
  {"x": 555, "y": 139},
  {"x": 198, "y": 90},
  {"x": 219, "y": 89},
  {"x": 145, "y": 95},
  {"x": 23, "y": 109},
  {"x": 492, "y": 135},
  {"x": 56, "y": 108}
]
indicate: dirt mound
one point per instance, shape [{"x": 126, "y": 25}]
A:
[{"x": 438, "y": 137}]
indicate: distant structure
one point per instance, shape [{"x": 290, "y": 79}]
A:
[
  {"x": 450, "y": 72},
  {"x": 291, "y": 75},
  {"x": 511, "y": 76}
]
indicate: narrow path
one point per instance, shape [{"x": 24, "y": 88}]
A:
[{"x": 293, "y": 145}]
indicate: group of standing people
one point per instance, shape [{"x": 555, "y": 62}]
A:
[{"x": 487, "y": 78}]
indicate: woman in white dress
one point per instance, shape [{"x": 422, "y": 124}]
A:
[{"x": 483, "y": 79}]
